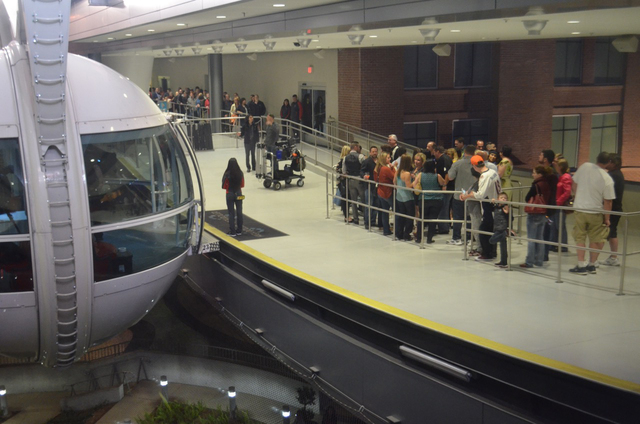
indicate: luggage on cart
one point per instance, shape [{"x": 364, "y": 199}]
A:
[{"x": 261, "y": 160}]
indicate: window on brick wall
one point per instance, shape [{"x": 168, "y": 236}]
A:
[
  {"x": 473, "y": 65},
  {"x": 419, "y": 133},
  {"x": 604, "y": 134},
  {"x": 420, "y": 67},
  {"x": 565, "y": 135},
  {"x": 609, "y": 62},
  {"x": 568, "y": 62},
  {"x": 471, "y": 130}
]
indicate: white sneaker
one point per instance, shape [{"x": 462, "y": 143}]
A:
[
  {"x": 451, "y": 242},
  {"x": 458, "y": 242},
  {"x": 611, "y": 261}
]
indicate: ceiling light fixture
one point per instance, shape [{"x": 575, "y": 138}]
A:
[
  {"x": 217, "y": 47},
  {"x": 240, "y": 45},
  {"x": 150, "y": 30},
  {"x": 128, "y": 35},
  {"x": 269, "y": 45},
  {"x": 534, "y": 26},
  {"x": 110, "y": 38},
  {"x": 196, "y": 50},
  {"x": 166, "y": 52},
  {"x": 304, "y": 42},
  {"x": 179, "y": 52},
  {"x": 573, "y": 22},
  {"x": 356, "y": 39},
  {"x": 279, "y": 5},
  {"x": 181, "y": 24},
  {"x": 373, "y": 36},
  {"x": 252, "y": 56},
  {"x": 455, "y": 30},
  {"x": 221, "y": 17},
  {"x": 575, "y": 33}
]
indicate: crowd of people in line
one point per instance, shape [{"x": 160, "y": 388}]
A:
[
  {"x": 395, "y": 182},
  {"x": 197, "y": 103}
]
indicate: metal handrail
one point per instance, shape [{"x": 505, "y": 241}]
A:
[
  {"x": 369, "y": 136},
  {"x": 559, "y": 244},
  {"x": 371, "y": 207}
]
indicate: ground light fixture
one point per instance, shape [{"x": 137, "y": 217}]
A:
[
  {"x": 164, "y": 387},
  {"x": 286, "y": 414},
  {"x": 3, "y": 402},
  {"x": 232, "y": 402}
]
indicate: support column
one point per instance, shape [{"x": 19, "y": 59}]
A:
[{"x": 215, "y": 88}]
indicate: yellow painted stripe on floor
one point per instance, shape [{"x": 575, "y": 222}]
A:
[{"x": 423, "y": 322}]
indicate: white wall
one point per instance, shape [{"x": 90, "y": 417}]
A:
[
  {"x": 136, "y": 68},
  {"x": 183, "y": 71},
  {"x": 276, "y": 76}
]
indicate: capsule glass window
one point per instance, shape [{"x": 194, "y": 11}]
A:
[
  {"x": 13, "y": 209},
  {"x": 131, "y": 174}
]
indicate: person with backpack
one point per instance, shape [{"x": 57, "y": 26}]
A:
[{"x": 351, "y": 167}]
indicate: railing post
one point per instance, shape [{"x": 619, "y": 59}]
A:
[
  {"x": 464, "y": 234},
  {"x": 559, "y": 226},
  {"x": 346, "y": 196},
  {"x": 422, "y": 221},
  {"x": 509, "y": 231},
  {"x": 327, "y": 187},
  {"x": 623, "y": 265}
]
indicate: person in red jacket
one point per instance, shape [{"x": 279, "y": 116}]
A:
[
  {"x": 536, "y": 220},
  {"x": 563, "y": 193}
]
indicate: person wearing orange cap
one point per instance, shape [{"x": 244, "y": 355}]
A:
[{"x": 488, "y": 188}]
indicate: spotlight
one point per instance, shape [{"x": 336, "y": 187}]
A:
[
  {"x": 196, "y": 50},
  {"x": 429, "y": 34},
  {"x": 534, "y": 27},
  {"x": 356, "y": 39},
  {"x": 166, "y": 52},
  {"x": 217, "y": 48},
  {"x": 240, "y": 45},
  {"x": 303, "y": 42},
  {"x": 179, "y": 52},
  {"x": 269, "y": 45}
]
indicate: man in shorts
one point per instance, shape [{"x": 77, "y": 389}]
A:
[{"x": 593, "y": 189}]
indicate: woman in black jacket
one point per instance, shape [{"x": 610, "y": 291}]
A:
[
  {"x": 285, "y": 113},
  {"x": 233, "y": 181}
]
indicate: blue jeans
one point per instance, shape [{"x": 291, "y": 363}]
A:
[
  {"x": 371, "y": 199},
  {"x": 443, "y": 227},
  {"x": 457, "y": 207},
  {"x": 233, "y": 203},
  {"x": 386, "y": 205},
  {"x": 535, "y": 230}
]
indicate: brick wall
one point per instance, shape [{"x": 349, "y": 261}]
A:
[
  {"x": 370, "y": 88},
  {"x": 525, "y": 97},
  {"x": 630, "y": 118}
]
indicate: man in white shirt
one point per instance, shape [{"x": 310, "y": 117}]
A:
[
  {"x": 488, "y": 188},
  {"x": 593, "y": 189}
]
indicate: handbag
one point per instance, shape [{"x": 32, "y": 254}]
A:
[
  {"x": 536, "y": 200},
  {"x": 417, "y": 190},
  {"x": 240, "y": 197},
  {"x": 568, "y": 203}
]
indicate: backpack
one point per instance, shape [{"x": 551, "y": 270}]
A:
[{"x": 352, "y": 164}]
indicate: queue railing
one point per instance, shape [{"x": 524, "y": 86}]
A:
[
  {"x": 561, "y": 210},
  {"x": 331, "y": 180}
]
